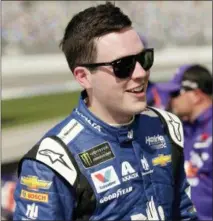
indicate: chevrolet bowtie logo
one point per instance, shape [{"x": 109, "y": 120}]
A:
[
  {"x": 161, "y": 160},
  {"x": 32, "y": 182}
]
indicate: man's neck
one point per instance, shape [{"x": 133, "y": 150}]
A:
[
  {"x": 199, "y": 109},
  {"x": 108, "y": 117}
]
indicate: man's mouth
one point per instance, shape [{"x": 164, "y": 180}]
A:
[{"x": 138, "y": 89}]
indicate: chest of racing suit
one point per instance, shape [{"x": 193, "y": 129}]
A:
[
  {"x": 198, "y": 162},
  {"x": 110, "y": 173}
]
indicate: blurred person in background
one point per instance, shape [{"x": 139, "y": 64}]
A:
[
  {"x": 112, "y": 158},
  {"x": 8, "y": 184},
  {"x": 191, "y": 100},
  {"x": 154, "y": 97}
]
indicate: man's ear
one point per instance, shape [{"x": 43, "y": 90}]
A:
[
  {"x": 196, "y": 95},
  {"x": 83, "y": 76}
]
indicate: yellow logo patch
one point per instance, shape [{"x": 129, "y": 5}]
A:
[
  {"x": 38, "y": 197},
  {"x": 33, "y": 183},
  {"x": 162, "y": 160}
]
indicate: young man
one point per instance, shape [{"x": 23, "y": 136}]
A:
[
  {"x": 191, "y": 92},
  {"x": 111, "y": 159}
]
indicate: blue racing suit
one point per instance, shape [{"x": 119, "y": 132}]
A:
[{"x": 85, "y": 169}]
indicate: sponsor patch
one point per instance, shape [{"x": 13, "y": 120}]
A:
[
  {"x": 89, "y": 121},
  {"x": 105, "y": 179},
  {"x": 130, "y": 133},
  {"x": 161, "y": 160},
  {"x": 156, "y": 142},
  {"x": 146, "y": 167},
  {"x": 203, "y": 142},
  {"x": 117, "y": 194},
  {"x": 70, "y": 131},
  {"x": 33, "y": 183},
  {"x": 32, "y": 212},
  {"x": 144, "y": 164},
  {"x": 96, "y": 155},
  {"x": 127, "y": 171},
  {"x": 37, "y": 197}
]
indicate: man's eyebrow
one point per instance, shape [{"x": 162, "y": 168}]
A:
[{"x": 128, "y": 55}]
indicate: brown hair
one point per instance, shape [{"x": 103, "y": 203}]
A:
[{"x": 78, "y": 41}]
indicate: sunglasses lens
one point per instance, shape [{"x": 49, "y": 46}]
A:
[
  {"x": 146, "y": 59},
  {"x": 175, "y": 94},
  {"x": 124, "y": 67}
]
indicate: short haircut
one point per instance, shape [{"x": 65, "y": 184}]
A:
[{"x": 78, "y": 41}]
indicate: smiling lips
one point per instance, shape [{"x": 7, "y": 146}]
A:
[{"x": 138, "y": 89}]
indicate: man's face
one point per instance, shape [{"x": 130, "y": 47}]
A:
[
  {"x": 108, "y": 91},
  {"x": 182, "y": 104}
]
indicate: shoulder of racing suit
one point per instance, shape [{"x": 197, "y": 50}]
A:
[
  {"x": 52, "y": 150},
  {"x": 172, "y": 123},
  {"x": 54, "y": 153},
  {"x": 174, "y": 129}
]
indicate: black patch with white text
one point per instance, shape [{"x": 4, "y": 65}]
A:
[{"x": 96, "y": 155}]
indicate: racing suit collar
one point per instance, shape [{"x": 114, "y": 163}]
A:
[{"x": 121, "y": 134}]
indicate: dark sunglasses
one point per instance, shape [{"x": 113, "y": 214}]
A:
[
  {"x": 175, "y": 94},
  {"x": 178, "y": 93},
  {"x": 124, "y": 67}
]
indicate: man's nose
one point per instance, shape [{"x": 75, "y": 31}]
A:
[{"x": 139, "y": 72}]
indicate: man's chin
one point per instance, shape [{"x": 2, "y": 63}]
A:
[{"x": 140, "y": 107}]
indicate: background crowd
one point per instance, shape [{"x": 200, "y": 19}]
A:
[{"x": 38, "y": 25}]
